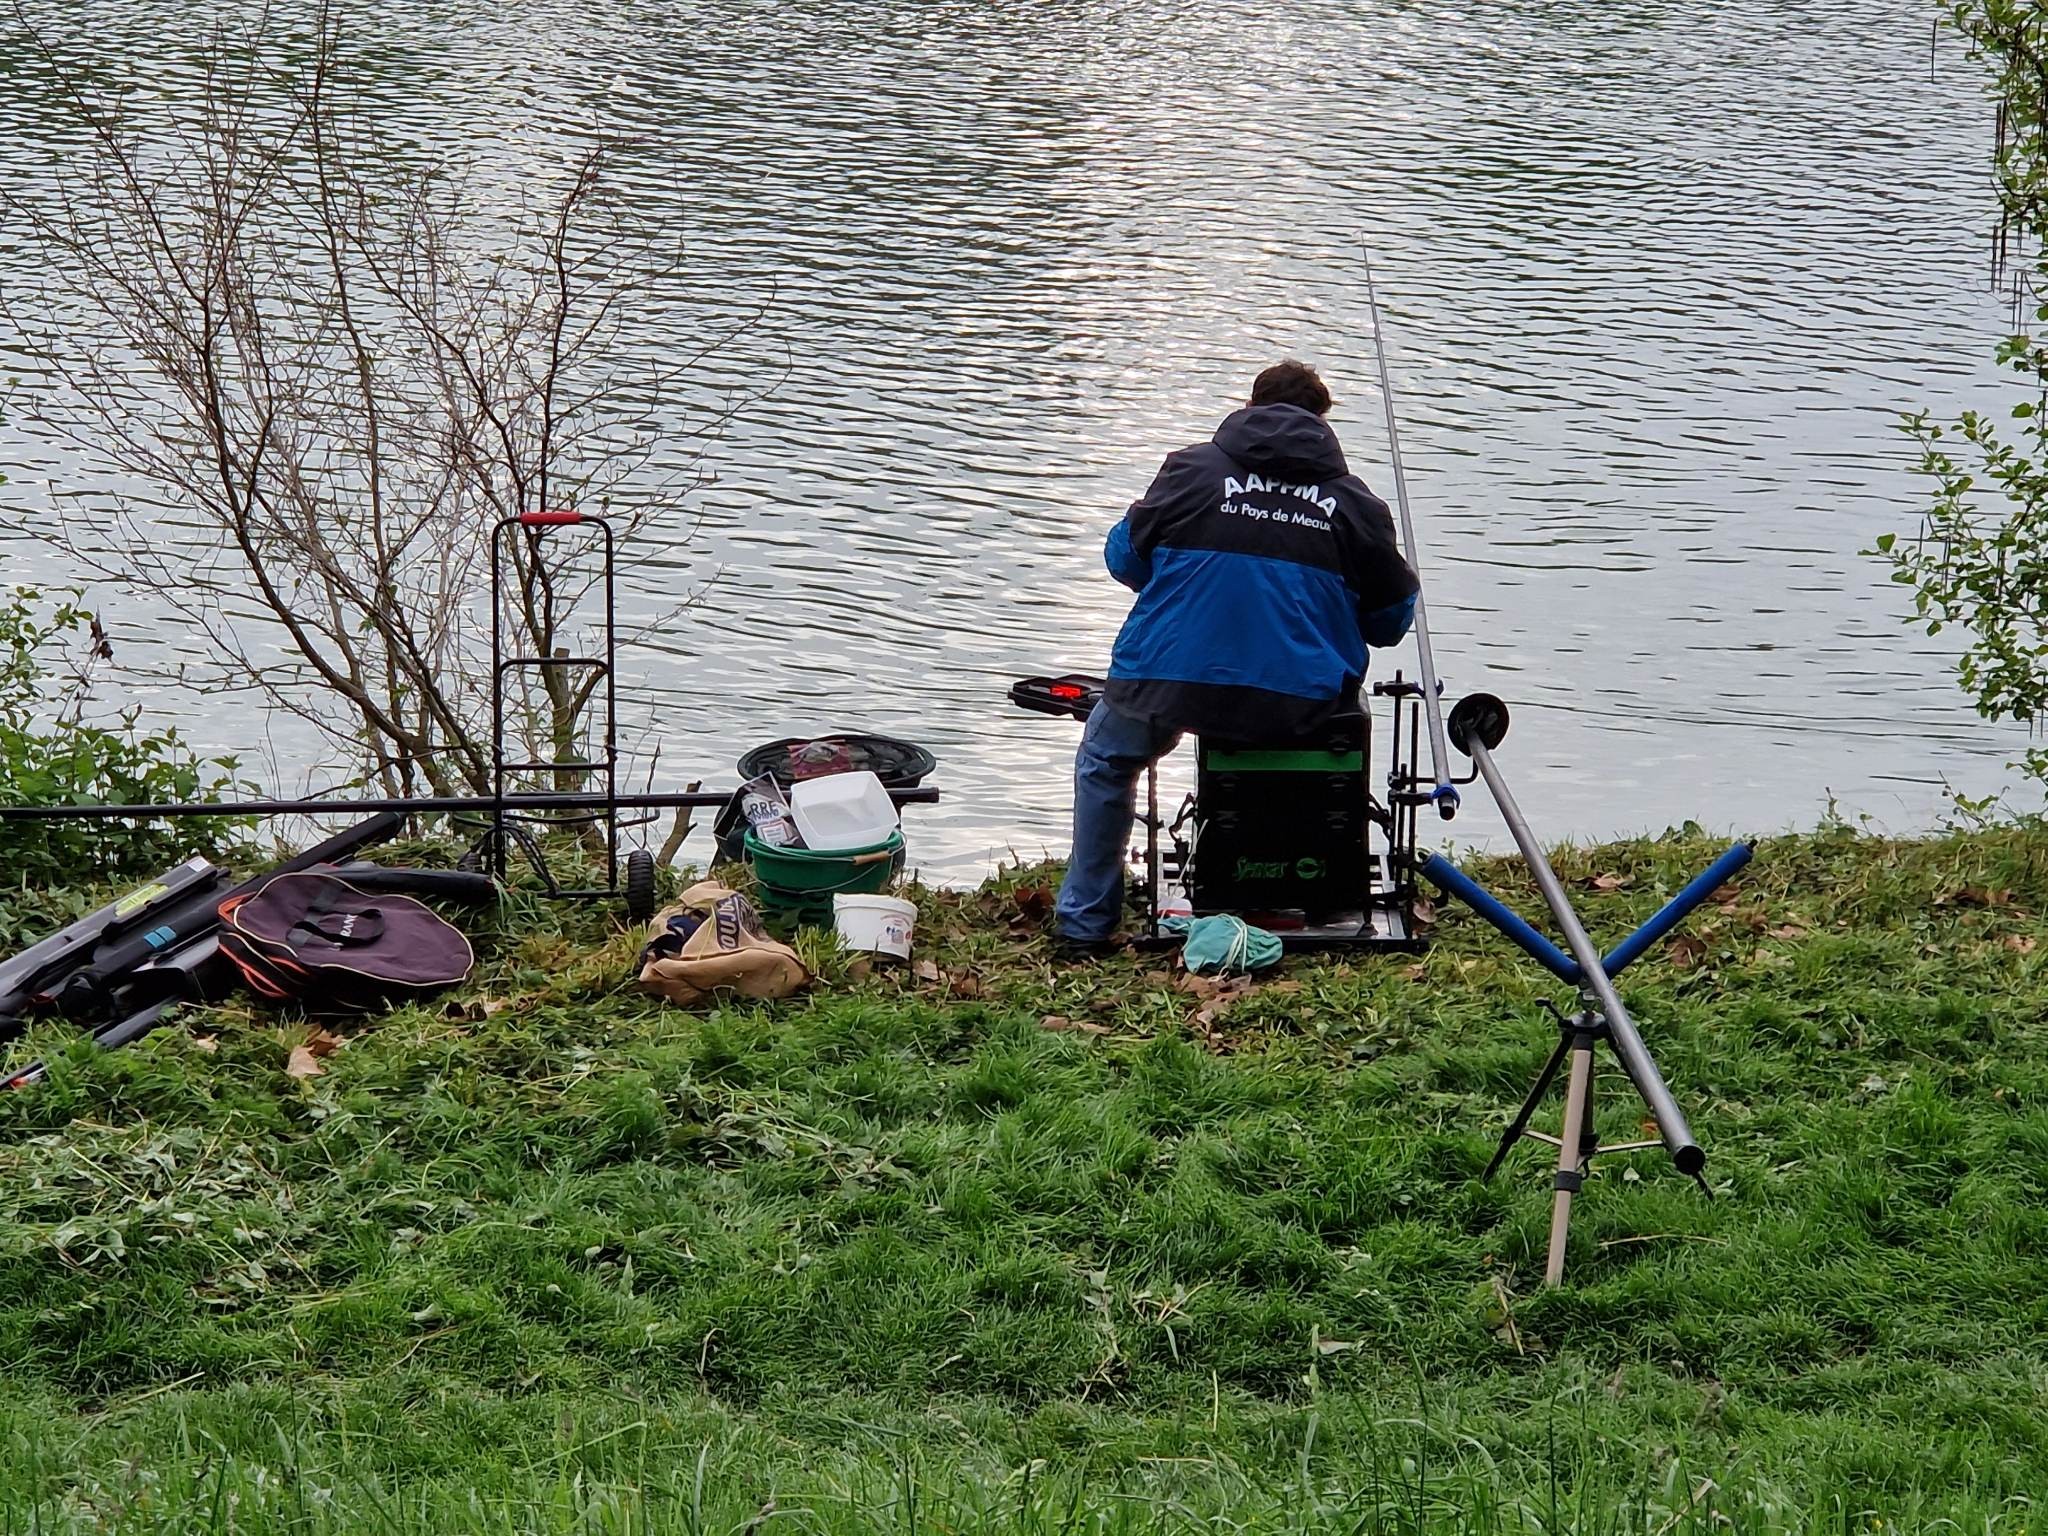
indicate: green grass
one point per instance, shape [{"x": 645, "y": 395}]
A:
[{"x": 898, "y": 1257}]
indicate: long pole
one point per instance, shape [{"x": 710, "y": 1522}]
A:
[
  {"x": 423, "y": 805},
  {"x": 1446, "y": 794},
  {"x": 1621, "y": 1029}
]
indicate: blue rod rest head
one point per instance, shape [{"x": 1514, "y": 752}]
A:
[{"x": 1445, "y": 798}]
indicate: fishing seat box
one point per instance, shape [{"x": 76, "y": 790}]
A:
[{"x": 1281, "y": 827}]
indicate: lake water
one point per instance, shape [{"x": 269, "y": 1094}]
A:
[{"x": 1658, "y": 280}]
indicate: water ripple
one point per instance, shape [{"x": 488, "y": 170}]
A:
[{"x": 1658, "y": 282}]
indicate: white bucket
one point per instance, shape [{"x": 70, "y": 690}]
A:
[{"x": 878, "y": 925}]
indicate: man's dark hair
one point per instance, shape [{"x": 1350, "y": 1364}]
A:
[{"x": 1292, "y": 383}]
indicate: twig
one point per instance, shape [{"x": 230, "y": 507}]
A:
[
  {"x": 1660, "y": 1237},
  {"x": 673, "y": 843},
  {"x": 142, "y": 1397}
]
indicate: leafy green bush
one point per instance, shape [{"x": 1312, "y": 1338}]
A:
[
  {"x": 51, "y": 754},
  {"x": 1980, "y": 562}
]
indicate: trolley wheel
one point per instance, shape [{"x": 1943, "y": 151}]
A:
[{"x": 639, "y": 885}]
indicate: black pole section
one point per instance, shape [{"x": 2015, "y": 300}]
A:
[
  {"x": 112, "y": 1037},
  {"x": 424, "y": 805},
  {"x": 88, "y": 992}
]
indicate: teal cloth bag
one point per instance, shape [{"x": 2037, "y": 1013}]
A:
[{"x": 1224, "y": 946}]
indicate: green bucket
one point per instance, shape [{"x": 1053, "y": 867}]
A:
[{"x": 803, "y": 881}]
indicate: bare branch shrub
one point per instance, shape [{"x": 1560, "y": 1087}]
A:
[{"x": 331, "y": 366}]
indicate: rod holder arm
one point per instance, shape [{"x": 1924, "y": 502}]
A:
[
  {"x": 1674, "y": 911},
  {"x": 1453, "y": 881}
]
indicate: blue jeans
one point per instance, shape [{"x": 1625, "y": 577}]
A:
[{"x": 1115, "y": 749}]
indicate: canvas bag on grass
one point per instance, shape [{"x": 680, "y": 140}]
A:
[{"x": 728, "y": 949}]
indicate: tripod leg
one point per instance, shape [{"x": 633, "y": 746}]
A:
[
  {"x": 1520, "y": 1123},
  {"x": 1571, "y": 1155}
]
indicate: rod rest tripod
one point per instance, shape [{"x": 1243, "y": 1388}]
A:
[{"x": 1477, "y": 726}]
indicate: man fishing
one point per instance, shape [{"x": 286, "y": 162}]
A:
[{"x": 1264, "y": 571}]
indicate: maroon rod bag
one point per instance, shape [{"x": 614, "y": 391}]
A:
[{"x": 310, "y": 937}]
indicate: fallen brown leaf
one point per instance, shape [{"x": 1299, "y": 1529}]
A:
[
  {"x": 306, "y": 1055},
  {"x": 1788, "y": 931},
  {"x": 1609, "y": 882},
  {"x": 1059, "y": 1021},
  {"x": 1686, "y": 951},
  {"x": 1034, "y": 901},
  {"x": 927, "y": 970},
  {"x": 1216, "y": 986},
  {"x": 1974, "y": 896},
  {"x": 206, "y": 1043},
  {"x": 2020, "y": 943}
]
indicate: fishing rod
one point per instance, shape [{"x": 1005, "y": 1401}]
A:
[{"x": 1446, "y": 794}]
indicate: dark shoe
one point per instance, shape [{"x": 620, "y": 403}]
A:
[{"x": 1064, "y": 948}]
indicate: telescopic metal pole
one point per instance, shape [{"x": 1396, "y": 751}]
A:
[
  {"x": 1446, "y": 793},
  {"x": 422, "y": 805},
  {"x": 1621, "y": 1029}
]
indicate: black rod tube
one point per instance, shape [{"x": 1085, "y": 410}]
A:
[
  {"x": 69, "y": 946},
  {"x": 424, "y": 805},
  {"x": 1628, "y": 1044}
]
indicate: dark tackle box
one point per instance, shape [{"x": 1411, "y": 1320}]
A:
[{"x": 1282, "y": 828}]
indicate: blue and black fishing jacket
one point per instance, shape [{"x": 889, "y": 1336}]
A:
[{"x": 1264, "y": 569}]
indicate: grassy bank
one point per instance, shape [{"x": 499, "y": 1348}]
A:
[{"x": 995, "y": 1245}]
